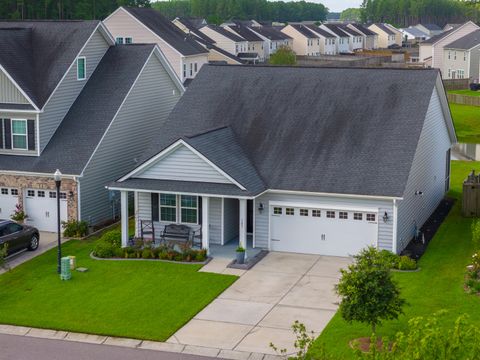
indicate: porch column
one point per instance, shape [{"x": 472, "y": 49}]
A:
[
  {"x": 242, "y": 237},
  {"x": 205, "y": 223},
  {"x": 124, "y": 216}
]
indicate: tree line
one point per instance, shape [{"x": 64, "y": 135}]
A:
[
  {"x": 403, "y": 13},
  {"x": 217, "y": 11}
]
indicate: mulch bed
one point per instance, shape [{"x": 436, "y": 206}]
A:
[
  {"x": 417, "y": 247},
  {"x": 363, "y": 344}
]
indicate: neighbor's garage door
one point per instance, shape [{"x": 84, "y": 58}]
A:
[
  {"x": 8, "y": 201},
  {"x": 41, "y": 208},
  {"x": 321, "y": 230}
]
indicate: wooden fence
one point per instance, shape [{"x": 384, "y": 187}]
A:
[
  {"x": 456, "y": 84},
  {"x": 463, "y": 99}
]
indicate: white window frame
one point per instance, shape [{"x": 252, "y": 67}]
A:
[
  {"x": 180, "y": 207},
  {"x": 14, "y": 134},
  {"x": 84, "y": 68},
  {"x": 125, "y": 40},
  {"x": 167, "y": 206},
  {"x": 119, "y": 40}
]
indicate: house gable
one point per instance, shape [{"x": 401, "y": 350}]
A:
[
  {"x": 181, "y": 162},
  {"x": 9, "y": 92}
]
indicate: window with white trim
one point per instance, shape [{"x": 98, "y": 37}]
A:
[
  {"x": 357, "y": 216},
  {"x": 316, "y": 213},
  {"x": 189, "y": 209},
  {"x": 119, "y": 40},
  {"x": 343, "y": 215},
  {"x": 184, "y": 70},
  {"x": 19, "y": 134},
  {"x": 128, "y": 40},
  {"x": 277, "y": 211},
  {"x": 63, "y": 195},
  {"x": 41, "y": 193},
  {"x": 81, "y": 68},
  {"x": 31, "y": 193},
  {"x": 464, "y": 56},
  {"x": 289, "y": 211},
  {"x": 4, "y": 191},
  {"x": 196, "y": 67},
  {"x": 14, "y": 192},
  {"x": 371, "y": 217},
  {"x": 52, "y": 195},
  {"x": 168, "y": 207},
  {"x": 331, "y": 214},
  {"x": 303, "y": 212},
  {"x": 191, "y": 69}
]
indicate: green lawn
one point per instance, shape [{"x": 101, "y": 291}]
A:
[
  {"x": 439, "y": 284},
  {"x": 465, "y": 92},
  {"x": 138, "y": 299},
  {"x": 467, "y": 122}
]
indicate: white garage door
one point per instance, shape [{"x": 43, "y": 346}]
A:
[
  {"x": 41, "y": 208},
  {"x": 8, "y": 201},
  {"x": 321, "y": 230}
]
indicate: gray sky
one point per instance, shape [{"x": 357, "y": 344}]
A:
[{"x": 339, "y": 5}]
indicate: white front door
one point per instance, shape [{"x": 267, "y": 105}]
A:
[
  {"x": 41, "y": 208},
  {"x": 8, "y": 201},
  {"x": 321, "y": 230}
]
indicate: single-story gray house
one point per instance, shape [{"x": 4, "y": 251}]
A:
[{"x": 307, "y": 160}]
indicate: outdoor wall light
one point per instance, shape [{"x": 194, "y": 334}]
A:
[
  {"x": 260, "y": 207},
  {"x": 385, "y": 217},
  {"x": 419, "y": 193}
]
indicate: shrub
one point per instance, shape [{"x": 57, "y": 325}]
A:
[
  {"x": 397, "y": 262},
  {"x": 201, "y": 255},
  {"x": 113, "y": 237},
  {"x": 3, "y": 255},
  {"x": 74, "y": 228},
  {"x": 147, "y": 253},
  {"x": 406, "y": 263},
  {"x": 19, "y": 214},
  {"x": 104, "y": 249}
]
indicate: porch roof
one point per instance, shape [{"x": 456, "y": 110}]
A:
[{"x": 184, "y": 187}]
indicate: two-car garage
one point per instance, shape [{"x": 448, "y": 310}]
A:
[{"x": 323, "y": 230}]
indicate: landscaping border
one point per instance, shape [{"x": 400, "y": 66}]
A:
[{"x": 158, "y": 260}]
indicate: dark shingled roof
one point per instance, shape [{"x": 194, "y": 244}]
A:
[
  {"x": 331, "y": 130},
  {"x": 364, "y": 30},
  {"x": 164, "y": 28},
  {"x": 225, "y": 53},
  {"x": 439, "y": 37},
  {"x": 467, "y": 42},
  {"x": 271, "y": 33},
  {"x": 194, "y": 30},
  {"x": 431, "y": 27},
  {"x": 245, "y": 33},
  {"x": 336, "y": 30},
  {"x": 304, "y": 30},
  {"x": 226, "y": 33},
  {"x": 348, "y": 30},
  {"x": 384, "y": 28},
  {"x": 38, "y": 53},
  {"x": 87, "y": 120},
  {"x": 321, "y": 31}
]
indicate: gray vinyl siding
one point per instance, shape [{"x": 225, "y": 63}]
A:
[
  {"x": 385, "y": 230},
  {"x": 181, "y": 164},
  {"x": 139, "y": 119},
  {"x": 215, "y": 219},
  {"x": 427, "y": 175},
  {"x": 9, "y": 94},
  {"x": 231, "y": 214},
  {"x": 69, "y": 89}
]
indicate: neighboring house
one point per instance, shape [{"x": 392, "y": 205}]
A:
[
  {"x": 386, "y": 36},
  {"x": 369, "y": 170},
  {"x": 305, "y": 42},
  {"x": 429, "y": 29},
  {"x": 370, "y": 38},
  {"x": 413, "y": 36},
  {"x": 255, "y": 44},
  {"x": 98, "y": 104},
  {"x": 145, "y": 25},
  {"x": 356, "y": 38},
  {"x": 431, "y": 50},
  {"x": 448, "y": 27},
  {"x": 188, "y": 27},
  {"x": 461, "y": 58},
  {"x": 225, "y": 39},
  {"x": 328, "y": 41},
  {"x": 273, "y": 39},
  {"x": 397, "y": 32},
  {"x": 342, "y": 38}
]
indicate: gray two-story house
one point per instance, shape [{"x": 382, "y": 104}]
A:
[{"x": 70, "y": 99}]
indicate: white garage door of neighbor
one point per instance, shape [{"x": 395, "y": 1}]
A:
[
  {"x": 321, "y": 231},
  {"x": 41, "y": 209},
  {"x": 8, "y": 201}
]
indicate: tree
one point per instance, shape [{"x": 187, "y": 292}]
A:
[
  {"x": 369, "y": 294},
  {"x": 351, "y": 14},
  {"x": 283, "y": 56}
]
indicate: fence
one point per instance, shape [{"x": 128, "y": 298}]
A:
[
  {"x": 463, "y": 99},
  {"x": 456, "y": 84}
]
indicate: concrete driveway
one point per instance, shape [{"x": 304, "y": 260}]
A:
[{"x": 262, "y": 305}]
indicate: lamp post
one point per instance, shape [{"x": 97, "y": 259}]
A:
[{"x": 58, "y": 181}]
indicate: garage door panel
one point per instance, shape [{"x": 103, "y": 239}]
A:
[
  {"x": 41, "y": 208},
  {"x": 8, "y": 202}
]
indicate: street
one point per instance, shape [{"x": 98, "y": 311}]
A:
[{"x": 14, "y": 347}]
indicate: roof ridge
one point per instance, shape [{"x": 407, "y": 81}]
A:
[{"x": 324, "y": 67}]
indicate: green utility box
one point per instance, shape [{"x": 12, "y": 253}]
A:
[{"x": 65, "y": 274}]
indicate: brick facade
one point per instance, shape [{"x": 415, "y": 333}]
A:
[{"x": 22, "y": 183}]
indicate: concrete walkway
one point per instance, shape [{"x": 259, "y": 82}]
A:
[{"x": 262, "y": 305}]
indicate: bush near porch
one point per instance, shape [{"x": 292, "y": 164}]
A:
[
  {"x": 439, "y": 285},
  {"x": 137, "y": 299}
]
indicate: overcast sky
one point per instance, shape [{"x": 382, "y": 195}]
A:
[{"x": 339, "y": 5}]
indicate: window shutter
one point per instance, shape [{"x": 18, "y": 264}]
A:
[
  {"x": 8, "y": 133},
  {"x": 1, "y": 133},
  {"x": 31, "y": 134},
  {"x": 155, "y": 207}
]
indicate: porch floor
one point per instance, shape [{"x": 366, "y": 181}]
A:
[{"x": 227, "y": 251}]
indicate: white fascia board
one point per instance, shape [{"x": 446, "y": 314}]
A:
[
  {"x": 177, "y": 192},
  {"x": 352, "y": 196},
  {"x": 320, "y": 205},
  {"x": 440, "y": 89},
  {"x": 18, "y": 88}
]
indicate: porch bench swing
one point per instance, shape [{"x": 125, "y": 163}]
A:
[{"x": 181, "y": 233}]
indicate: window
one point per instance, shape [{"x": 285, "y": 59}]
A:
[
  {"x": 168, "y": 207},
  {"x": 14, "y": 192},
  {"x": 119, "y": 40},
  {"x": 11, "y": 229},
  {"x": 4, "y": 191},
  {"x": 128, "y": 40},
  {"x": 41, "y": 193},
  {"x": 290, "y": 211},
  {"x": 196, "y": 67},
  {"x": 19, "y": 134},
  {"x": 464, "y": 56},
  {"x": 63, "y": 195},
  {"x": 343, "y": 215},
  {"x": 188, "y": 209},
  {"x": 303, "y": 212},
  {"x": 277, "y": 210},
  {"x": 191, "y": 69},
  {"x": 30, "y": 193},
  {"x": 81, "y": 68},
  {"x": 449, "y": 55},
  {"x": 316, "y": 213},
  {"x": 52, "y": 195},
  {"x": 454, "y": 55},
  {"x": 357, "y": 216},
  {"x": 184, "y": 70},
  {"x": 370, "y": 217},
  {"x": 449, "y": 73},
  {"x": 331, "y": 214}
]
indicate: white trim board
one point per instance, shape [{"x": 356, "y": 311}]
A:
[{"x": 324, "y": 206}]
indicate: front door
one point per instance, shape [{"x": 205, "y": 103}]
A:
[{"x": 250, "y": 216}]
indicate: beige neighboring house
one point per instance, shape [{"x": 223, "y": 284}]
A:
[
  {"x": 305, "y": 42},
  {"x": 461, "y": 58},
  {"x": 255, "y": 44},
  {"x": 225, "y": 39},
  {"x": 431, "y": 50},
  {"x": 398, "y": 34},
  {"x": 386, "y": 36},
  {"x": 370, "y": 38},
  {"x": 146, "y": 25}
]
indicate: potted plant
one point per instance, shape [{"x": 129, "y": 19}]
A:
[
  {"x": 240, "y": 255},
  {"x": 19, "y": 215}
]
